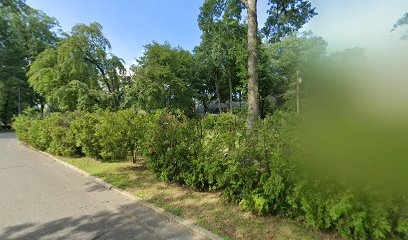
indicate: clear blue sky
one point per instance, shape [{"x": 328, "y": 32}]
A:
[{"x": 130, "y": 24}]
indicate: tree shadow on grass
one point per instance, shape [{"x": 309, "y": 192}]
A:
[{"x": 135, "y": 167}]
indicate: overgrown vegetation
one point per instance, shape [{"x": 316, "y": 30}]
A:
[
  {"x": 80, "y": 100},
  {"x": 259, "y": 171},
  {"x": 206, "y": 209}
]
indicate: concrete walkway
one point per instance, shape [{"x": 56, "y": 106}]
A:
[{"x": 41, "y": 199}]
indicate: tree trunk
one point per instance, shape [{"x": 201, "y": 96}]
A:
[
  {"x": 230, "y": 95},
  {"x": 42, "y": 111},
  {"x": 205, "y": 106},
  {"x": 253, "y": 110},
  {"x": 217, "y": 91},
  {"x": 262, "y": 111},
  {"x": 19, "y": 101},
  {"x": 240, "y": 99},
  {"x": 134, "y": 153}
]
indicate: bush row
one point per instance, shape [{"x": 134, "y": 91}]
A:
[{"x": 260, "y": 170}]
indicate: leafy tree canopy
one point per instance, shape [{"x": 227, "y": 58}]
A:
[
  {"x": 24, "y": 33},
  {"x": 163, "y": 79},
  {"x": 286, "y": 17},
  {"x": 279, "y": 63},
  {"x": 222, "y": 54},
  {"x": 80, "y": 73}
]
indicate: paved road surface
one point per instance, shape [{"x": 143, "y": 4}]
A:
[{"x": 41, "y": 199}]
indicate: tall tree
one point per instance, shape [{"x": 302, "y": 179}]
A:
[
  {"x": 204, "y": 78},
  {"x": 286, "y": 17},
  {"x": 80, "y": 73},
  {"x": 24, "y": 33},
  {"x": 278, "y": 65},
  {"x": 222, "y": 47},
  {"x": 163, "y": 79},
  {"x": 95, "y": 47},
  {"x": 253, "y": 106}
]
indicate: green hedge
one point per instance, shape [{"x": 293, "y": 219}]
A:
[{"x": 259, "y": 171}]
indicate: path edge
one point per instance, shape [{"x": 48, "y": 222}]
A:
[{"x": 187, "y": 224}]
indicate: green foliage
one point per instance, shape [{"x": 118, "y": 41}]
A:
[
  {"x": 84, "y": 129},
  {"x": 22, "y": 125},
  {"x": 33, "y": 130},
  {"x": 286, "y": 17},
  {"x": 163, "y": 80},
  {"x": 119, "y": 134},
  {"x": 24, "y": 33},
  {"x": 168, "y": 146},
  {"x": 53, "y": 133},
  {"x": 80, "y": 74},
  {"x": 278, "y": 65},
  {"x": 86, "y": 87},
  {"x": 260, "y": 170},
  {"x": 39, "y": 134},
  {"x": 221, "y": 57},
  {"x": 62, "y": 136}
]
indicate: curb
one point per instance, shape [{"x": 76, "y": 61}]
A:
[{"x": 187, "y": 224}]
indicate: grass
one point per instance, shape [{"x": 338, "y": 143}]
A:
[{"x": 206, "y": 209}]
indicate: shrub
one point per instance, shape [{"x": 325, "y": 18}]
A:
[
  {"x": 84, "y": 128},
  {"x": 22, "y": 125},
  {"x": 39, "y": 134},
  {"x": 261, "y": 170},
  {"x": 63, "y": 140},
  {"x": 171, "y": 144},
  {"x": 110, "y": 136},
  {"x": 33, "y": 131},
  {"x": 116, "y": 133}
]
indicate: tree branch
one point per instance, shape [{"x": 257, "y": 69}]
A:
[
  {"x": 245, "y": 2},
  {"x": 92, "y": 60}
]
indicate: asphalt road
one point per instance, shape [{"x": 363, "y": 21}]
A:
[{"x": 41, "y": 199}]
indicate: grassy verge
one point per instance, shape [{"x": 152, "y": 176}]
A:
[{"x": 206, "y": 209}]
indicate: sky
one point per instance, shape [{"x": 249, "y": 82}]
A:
[{"x": 131, "y": 24}]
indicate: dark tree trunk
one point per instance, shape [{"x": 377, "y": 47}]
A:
[
  {"x": 42, "y": 111},
  {"x": 230, "y": 95},
  {"x": 240, "y": 99},
  {"x": 205, "y": 106},
  {"x": 217, "y": 91}
]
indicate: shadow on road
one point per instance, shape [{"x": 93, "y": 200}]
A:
[{"x": 131, "y": 221}]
